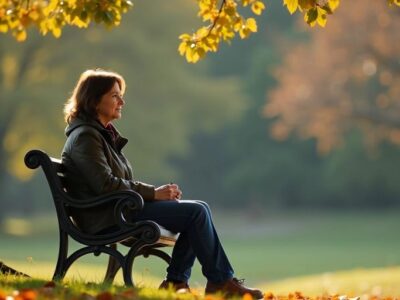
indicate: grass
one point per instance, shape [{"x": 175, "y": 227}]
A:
[
  {"x": 14, "y": 287},
  {"x": 372, "y": 284},
  {"x": 379, "y": 282},
  {"x": 263, "y": 248}
]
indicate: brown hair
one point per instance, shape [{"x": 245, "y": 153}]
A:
[{"x": 91, "y": 86}]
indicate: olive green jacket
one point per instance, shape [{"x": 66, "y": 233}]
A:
[{"x": 95, "y": 165}]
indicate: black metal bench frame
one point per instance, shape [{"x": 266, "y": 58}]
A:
[{"x": 143, "y": 237}]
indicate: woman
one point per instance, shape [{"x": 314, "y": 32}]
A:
[{"x": 95, "y": 165}]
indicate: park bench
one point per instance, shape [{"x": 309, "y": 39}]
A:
[{"x": 143, "y": 237}]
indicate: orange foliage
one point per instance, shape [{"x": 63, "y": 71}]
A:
[
  {"x": 346, "y": 76},
  {"x": 131, "y": 294},
  {"x": 105, "y": 296}
]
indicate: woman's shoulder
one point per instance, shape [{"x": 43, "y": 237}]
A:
[
  {"x": 85, "y": 130},
  {"x": 83, "y": 139},
  {"x": 79, "y": 126}
]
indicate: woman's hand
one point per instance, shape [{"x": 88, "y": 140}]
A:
[{"x": 168, "y": 192}]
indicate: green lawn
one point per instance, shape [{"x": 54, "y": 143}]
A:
[
  {"x": 379, "y": 282},
  {"x": 263, "y": 248}
]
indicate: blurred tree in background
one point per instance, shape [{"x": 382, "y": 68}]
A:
[{"x": 345, "y": 77}]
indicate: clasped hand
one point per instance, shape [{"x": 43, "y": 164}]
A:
[{"x": 168, "y": 192}]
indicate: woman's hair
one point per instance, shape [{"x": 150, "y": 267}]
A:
[{"x": 91, "y": 86}]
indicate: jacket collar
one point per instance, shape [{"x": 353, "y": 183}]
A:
[{"x": 114, "y": 138}]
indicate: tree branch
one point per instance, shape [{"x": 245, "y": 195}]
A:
[{"x": 212, "y": 26}]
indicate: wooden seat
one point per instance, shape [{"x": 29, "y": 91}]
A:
[{"x": 143, "y": 237}]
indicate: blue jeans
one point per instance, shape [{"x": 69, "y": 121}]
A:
[{"x": 198, "y": 238}]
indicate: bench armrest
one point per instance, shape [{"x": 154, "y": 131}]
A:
[
  {"x": 133, "y": 198},
  {"x": 122, "y": 201}
]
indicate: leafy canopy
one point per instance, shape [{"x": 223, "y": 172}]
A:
[{"x": 224, "y": 19}]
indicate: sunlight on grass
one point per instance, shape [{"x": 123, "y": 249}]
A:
[
  {"x": 372, "y": 284},
  {"x": 379, "y": 282},
  {"x": 376, "y": 282},
  {"x": 22, "y": 288},
  {"x": 81, "y": 272}
]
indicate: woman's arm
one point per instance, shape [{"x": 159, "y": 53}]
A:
[{"x": 89, "y": 157}]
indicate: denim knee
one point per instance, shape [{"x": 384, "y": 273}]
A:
[
  {"x": 199, "y": 211},
  {"x": 205, "y": 204}
]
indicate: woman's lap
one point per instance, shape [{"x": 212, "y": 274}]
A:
[{"x": 173, "y": 215}]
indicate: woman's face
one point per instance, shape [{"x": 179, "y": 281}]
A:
[{"x": 110, "y": 105}]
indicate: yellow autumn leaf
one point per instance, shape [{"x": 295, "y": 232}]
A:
[
  {"x": 56, "y": 32},
  {"x": 291, "y": 5},
  {"x": 230, "y": 9},
  {"x": 34, "y": 15},
  {"x": 207, "y": 16},
  {"x": 237, "y": 25},
  {"x": 244, "y": 33},
  {"x": 43, "y": 28},
  {"x": 201, "y": 52},
  {"x": 322, "y": 15},
  {"x": 3, "y": 28},
  {"x": 251, "y": 24},
  {"x": 20, "y": 35},
  {"x": 207, "y": 10},
  {"x": 189, "y": 54},
  {"x": 13, "y": 23},
  {"x": 247, "y": 28},
  {"x": 194, "y": 54},
  {"x": 307, "y": 4},
  {"x": 203, "y": 5},
  {"x": 257, "y": 7},
  {"x": 81, "y": 24},
  {"x": 182, "y": 48},
  {"x": 223, "y": 20},
  {"x": 246, "y": 2},
  {"x": 227, "y": 34},
  {"x": 211, "y": 40},
  {"x": 333, "y": 4},
  {"x": 71, "y": 3},
  {"x": 185, "y": 37},
  {"x": 202, "y": 32},
  {"x": 310, "y": 17},
  {"x": 51, "y": 7}
]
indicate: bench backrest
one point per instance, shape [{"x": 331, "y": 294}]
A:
[
  {"x": 52, "y": 168},
  {"x": 55, "y": 175}
]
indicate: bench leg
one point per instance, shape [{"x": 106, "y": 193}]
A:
[
  {"x": 60, "y": 270},
  {"x": 112, "y": 268},
  {"x": 129, "y": 260},
  {"x": 138, "y": 249}
]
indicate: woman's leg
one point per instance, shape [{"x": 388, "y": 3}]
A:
[
  {"x": 182, "y": 260},
  {"x": 198, "y": 238},
  {"x": 183, "y": 256}
]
